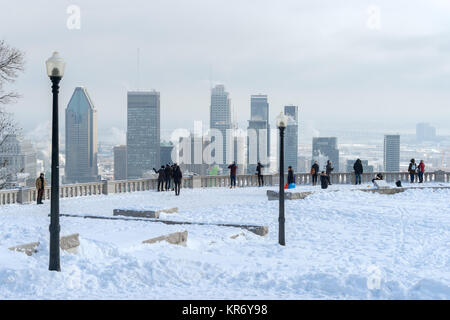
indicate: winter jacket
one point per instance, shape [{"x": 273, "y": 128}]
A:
[
  {"x": 168, "y": 172},
  {"x": 290, "y": 177},
  {"x": 233, "y": 169},
  {"x": 39, "y": 183},
  {"x": 358, "y": 167},
  {"x": 259, "y": 168},
  {"x": 324, "y": 181},
  {"x": 421, "y": 167},
  {"x": 161, "y": 174},
  {"x": 412, "y": 168},
  {"x": 329, "y": 169},
  {"x": 177, "y": 175}
]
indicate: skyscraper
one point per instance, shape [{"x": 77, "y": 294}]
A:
[
  {"x": 166, "y": 152},
  {"x": 392, "y": 153},
  {"x": 258, "y": 142},
  {"x": 220, "y": 117},
  {"x": 425, "y": 132},
  {"x": 291, "y": 138},
  {"x": 81, "y": 138},
  {"x": 120, "y": 163},
  {"x": 324, "y": 149},
  {"x": 143, "y": 132}
]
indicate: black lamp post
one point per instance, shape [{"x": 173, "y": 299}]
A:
[
  {"x": 55, "y": 70},
  {"x": 281, "y": 124}
]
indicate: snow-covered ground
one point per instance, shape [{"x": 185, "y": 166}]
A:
[{"x": 339, "y": 245}]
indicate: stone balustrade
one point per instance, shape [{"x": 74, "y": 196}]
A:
[{"x": 28, "y": 195}]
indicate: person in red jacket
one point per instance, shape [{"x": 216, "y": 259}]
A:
[
  {"x": 233, "y": 167},
  {"x": 421, "y": 170}
]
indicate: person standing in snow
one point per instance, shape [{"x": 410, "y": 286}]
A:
[
  {"x": 167, "y": 176},
  {"x": 315, "y": 172},
  {"x": 233, "y": 168},
  {"x": 40, "y": 188},
  {"x": 421, "y": 170},
  {"x": 161, "y": 178},
  {"x": 358, "y": 167},
  {"x": 177, "y": 177},
  {"x": 324, "y": 180},
  {"x": 259, "y": 173},
  {"x": 412, "y": 170},
  {"x": 329, "y": 168},
  {"x": 290, "y": 177}
]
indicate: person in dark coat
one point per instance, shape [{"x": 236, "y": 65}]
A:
[
  {"x": 412, "y": 170},
  {"x": 167, "y": 176},
  {"x": 324, "y": 180},
  {"x": 259, "y": 173},
  {"x": 314, "y": 173},
  {"x": 358, "y": 167},
  {"x": 177, "y": 176},
  {"x": 329, "y": 168},
  {"x": 379, "y": 176},
  {"x": 291, "y": 177},
  {"x": 233, "y": 168},
  {"x": 161, "y": 178},
  {"x": 40, "y": 188}
]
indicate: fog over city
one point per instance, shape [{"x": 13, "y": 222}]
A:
[{"x": 324, "y": 56}]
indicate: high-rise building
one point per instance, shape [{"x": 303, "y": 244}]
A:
[
  {"x": 143, "y": 132},
  {"x": 324, "y": 149},
  {"x": 220, "y": 118},
  {"x": 17, "y": 158},
  {"x": 81, "y": 138},
  {"x": 425, "y": 132},
  {"x": 192, "y": 149},
  {"x": 166, "y": 152},
  {"x": 120, "y": 163},
  {"x": 291, "y": 138},
  {"x": 258, "y": 142},
  {"x": 392, "y": 153}
]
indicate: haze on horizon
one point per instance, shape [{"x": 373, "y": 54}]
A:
[{"x": 321, "y": 56}]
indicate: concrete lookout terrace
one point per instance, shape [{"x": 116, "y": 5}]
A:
[{"x": 28, "y": 195}]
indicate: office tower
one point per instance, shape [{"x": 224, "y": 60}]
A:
[
  {"x": 166, "y": 153},
  {"x": 392, "y": 153},
  {"x": 425, "y": 132},
  {"x": 220, "y": 118},
  {"x": 81, "y": 138},
  {"x": 18, "y": 162},
  {"x": 324, "y": 149},
  {"x": 291, "y": 138},
  {"x": 120, "y": 163},
  {"x": 143, "y": 132},
  {"x": 258, "y": 142},
  {"x": 365, "y": 163}
]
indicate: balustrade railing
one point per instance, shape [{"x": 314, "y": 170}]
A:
[{"x": 27, "y": 195}]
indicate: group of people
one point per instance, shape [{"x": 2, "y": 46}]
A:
[
  {"x": 416, "y": 170},
  {"x": 325, "y": 180},
  {"x": 169, "y": 178}
]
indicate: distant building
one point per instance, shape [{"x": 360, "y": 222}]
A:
[
  {"x": 143, "y": 132},
  {"x": 324, "y": 149},
  {"x": 425, "y": 132},
  {"x": 392, "y": 153},
  {"x": 220, "y": 117},
  {"x": 258, "y": 142},
  {"x": 192, "y": 154},
  {"x": 365, "y": 163},
  {"x": 291, "y": 138},
  {"x": 166, "y": 152},
  {"x": 18, "y": 161},
  {"x": 81, "y": 139},
  {"x": 304, "y": 164},
  {"x": 120, "y": 163}
]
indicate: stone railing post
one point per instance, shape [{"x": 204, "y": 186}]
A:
[
  {"x": 23, "y": 195},
  {"x": 109, "y": 187},
  {"x": 196, "y": 182},
  {"x": 439, "y": 176}
]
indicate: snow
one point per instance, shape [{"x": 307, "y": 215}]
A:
[{"x": 339, "y": 245}]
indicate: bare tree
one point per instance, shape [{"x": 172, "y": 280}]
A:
[{"x": 11, "y": 63}]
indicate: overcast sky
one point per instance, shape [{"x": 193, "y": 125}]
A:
[{"x": 328, "y": 57}]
